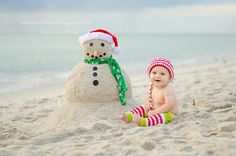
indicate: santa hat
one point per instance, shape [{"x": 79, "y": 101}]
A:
[
  {"x": 102, "y": 35},
  {"x": 159, "y": 61}
]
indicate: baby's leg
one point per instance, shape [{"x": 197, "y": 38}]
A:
[
  {"x": 140, "y": 111},
  {"x": 154, "y": 120},
  {"x": 129, "y": 116}
]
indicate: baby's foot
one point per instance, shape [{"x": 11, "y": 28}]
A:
[
  {"x": 140, "y": 121},
  {"x": 124, "y": 117},
  {"x": 137, "y": 120}
]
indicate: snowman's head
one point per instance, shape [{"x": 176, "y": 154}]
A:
[
  {"x": 97, "y": 48},
  {"x": 99, "y": 44}
]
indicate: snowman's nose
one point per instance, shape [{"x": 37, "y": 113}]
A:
[{"x": 96, "y": 53}]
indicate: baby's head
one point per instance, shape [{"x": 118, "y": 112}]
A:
[{"x": 161, "y": 71}]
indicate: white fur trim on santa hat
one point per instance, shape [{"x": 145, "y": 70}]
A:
[
  {"x": 95, "y": 35},
  {"x": 116, "y": 50},
  {"x": 159, "y": 61}
]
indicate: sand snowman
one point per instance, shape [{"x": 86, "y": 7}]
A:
[
  {"x": 99, "y": 78},
  {"x": 98, "y": 85},
  {"x": 97, "y": 90}
]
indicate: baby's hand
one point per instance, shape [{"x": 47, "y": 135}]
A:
[
  {"x": 151, "y": 113},
  {"x": 147, "y": 106}
]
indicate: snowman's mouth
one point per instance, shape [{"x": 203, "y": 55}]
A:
[
  {"x": 101, "y": 56},
  {"x": 96, "y": 57}
]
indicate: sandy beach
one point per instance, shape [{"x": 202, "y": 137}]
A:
[{"x": 206, "y": 125}]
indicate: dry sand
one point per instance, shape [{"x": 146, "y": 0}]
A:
[{"x": 34, "y": 122}]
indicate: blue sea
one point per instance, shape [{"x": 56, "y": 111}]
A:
[{"x": 27, "y": 61}]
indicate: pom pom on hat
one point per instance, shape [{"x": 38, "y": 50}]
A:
[
  {"x": 116, "y": 50},
  {"x": 102, "y": 35},
  {"x": 160, "y": 61}
]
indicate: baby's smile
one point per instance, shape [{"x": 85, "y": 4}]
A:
[{"x": 158, "y": 80}]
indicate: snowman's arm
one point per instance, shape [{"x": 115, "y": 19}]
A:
[{"x": 74, "y": 71}]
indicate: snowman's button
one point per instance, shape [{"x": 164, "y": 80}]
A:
[
  {"x": 95, "y": 82},
  {"x": 95, "y": 68},
  {"x": 95, "y": 74}
]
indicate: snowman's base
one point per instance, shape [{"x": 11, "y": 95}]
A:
[{"x": 85, "y": 115}]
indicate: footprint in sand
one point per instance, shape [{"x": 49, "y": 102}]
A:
[
  {"x": 187, "y": 149},
  {"x": 227, "y": 126},
  {"x": 125, "y": 141},
  {"x": 22, "y": 137},
  {"x": 101, "y": 127},
  {"x": 222, "y": 106},
  {"x": 148, "y": 145},
  {"x": 44, "y": 100},
  {"x": 231, "y": 118},
  {"x": 180, "y": 126}
]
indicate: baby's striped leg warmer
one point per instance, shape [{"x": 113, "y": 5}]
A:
[
  {"x": 156, "y": 119},
  {"x": 140, "y": 111}
]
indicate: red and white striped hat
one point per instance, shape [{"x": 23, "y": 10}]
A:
[
  {"x": 102, "y": 35},
  {"x": 160, "y": 61}
]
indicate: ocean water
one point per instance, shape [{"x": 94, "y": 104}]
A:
[{"x": 28, "y": 61}]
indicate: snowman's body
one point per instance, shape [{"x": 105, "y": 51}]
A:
[{"x": 93, "y": 83}]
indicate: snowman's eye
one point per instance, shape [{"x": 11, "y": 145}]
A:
[
  {"x": 102, "y": 44},
  {"x": 91, "y": 44}
]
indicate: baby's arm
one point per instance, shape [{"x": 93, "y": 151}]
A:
[{"x": 169, "y": 104}]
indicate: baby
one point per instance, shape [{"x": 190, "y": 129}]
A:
[{"x": 162, "y": 103}]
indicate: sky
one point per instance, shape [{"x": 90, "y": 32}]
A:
[{"x": 119, "y": 16}]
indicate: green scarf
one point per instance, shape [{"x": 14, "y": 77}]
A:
[{"x": 116, "y": 72}]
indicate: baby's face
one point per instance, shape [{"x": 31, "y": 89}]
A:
[{"x": 160, "y": 76}]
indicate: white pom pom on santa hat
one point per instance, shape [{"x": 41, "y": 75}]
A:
[
  {"x": 102, "y": 35},
  {"x": 116, "y": 50}
]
